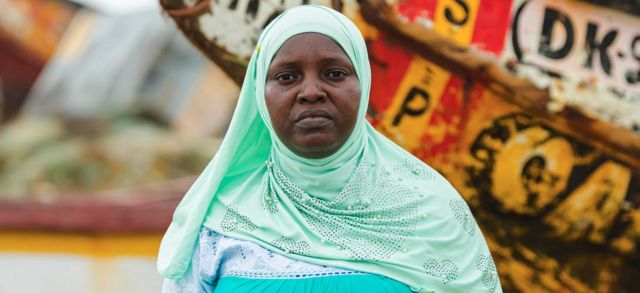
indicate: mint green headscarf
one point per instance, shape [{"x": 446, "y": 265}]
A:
[{"x": 370, "y": 207}]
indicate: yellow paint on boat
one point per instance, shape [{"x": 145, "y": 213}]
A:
[{"x": 94, "y": 245}]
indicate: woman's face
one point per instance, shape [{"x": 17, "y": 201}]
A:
[{"x": 312, "y": 94}]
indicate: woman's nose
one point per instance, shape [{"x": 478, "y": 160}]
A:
[{"x": 311, "y": 92}]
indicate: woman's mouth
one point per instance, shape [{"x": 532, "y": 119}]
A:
[
  {"x": 313, "y": 122},
  {"x": 313, "y": 119}
]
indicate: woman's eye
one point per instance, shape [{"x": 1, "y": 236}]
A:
[
  {"x": 285, "y": 77},
  {"x": 336, "y": 74}
]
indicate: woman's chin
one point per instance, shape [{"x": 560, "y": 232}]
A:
[{"x": 315, "y": 147}]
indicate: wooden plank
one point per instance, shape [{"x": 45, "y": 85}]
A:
[{"x": 477, "y": 66}]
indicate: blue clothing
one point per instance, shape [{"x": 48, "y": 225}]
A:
[
  {"x": 363, "y": 283},
  {"x": 223, "y": 264}
]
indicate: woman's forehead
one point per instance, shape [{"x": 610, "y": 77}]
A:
[{"x": 309, "y": 46}]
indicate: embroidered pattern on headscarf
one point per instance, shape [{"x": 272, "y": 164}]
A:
[
  {"x": 233, "y": 220},
  {"x": 445, "y": 270},
  {"x": 270, "y": 200},
  {"x": 370, "y": 219},
  {"x": 413, "y": 170},
  {"x": 487, "y": 267},
  {"x": 289, "y": 245},
  {"x": 463, "y": 215}
]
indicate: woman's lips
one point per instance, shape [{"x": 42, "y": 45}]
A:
[
  {"x": 312, "y": 119},
  {"x": 312, "y": 122}
]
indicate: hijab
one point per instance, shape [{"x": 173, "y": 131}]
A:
[{"x": 369, "y": 207}]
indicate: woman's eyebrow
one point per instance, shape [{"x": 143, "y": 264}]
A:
[
  {"x": 343, "y": 60},
  {"x": 283, "y": 64},
  {"x": 324, "y": 61}
]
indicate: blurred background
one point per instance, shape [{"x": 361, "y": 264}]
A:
[
  {"x": 110, "y": 108},
  {"x": 108, "y": 113}
]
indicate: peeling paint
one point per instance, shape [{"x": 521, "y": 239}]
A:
[{"x": 247, "y": 18}]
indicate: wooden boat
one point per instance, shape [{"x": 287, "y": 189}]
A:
[{"x": 528, "y": 107}]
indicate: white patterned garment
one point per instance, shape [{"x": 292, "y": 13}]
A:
[{"x": 216, "y": 256}]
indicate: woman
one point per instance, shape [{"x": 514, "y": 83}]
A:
[{"x": 305, "y": 195}]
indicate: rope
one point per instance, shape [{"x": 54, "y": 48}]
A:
[{"x": 188, "y": 11}]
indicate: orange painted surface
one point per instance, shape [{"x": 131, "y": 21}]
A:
[
  {"x": 101, "y": 245},
  {"x": 558, "y": 215}
]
